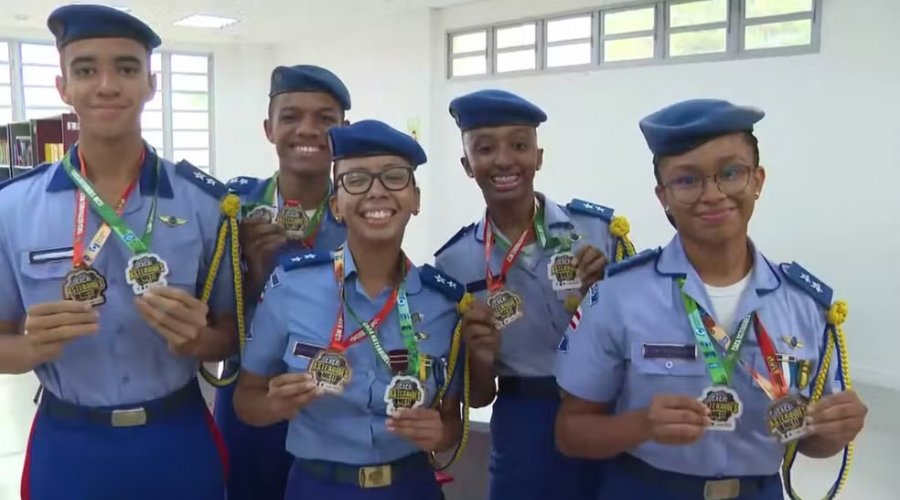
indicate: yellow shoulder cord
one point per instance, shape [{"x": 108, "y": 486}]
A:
[
  {"x": 834, "y": 332},
  {"x": 455, "y": 347},
  {"x": 230, "y": 206},
  {"x": 619, "y": 228}
]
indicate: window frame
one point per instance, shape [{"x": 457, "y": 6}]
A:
[{"x": 735, "y": 27}]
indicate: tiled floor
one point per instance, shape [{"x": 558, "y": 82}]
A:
[{"x": 873, "y": 477}]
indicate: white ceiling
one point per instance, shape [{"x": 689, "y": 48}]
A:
[{"x": 260, "y": 21}]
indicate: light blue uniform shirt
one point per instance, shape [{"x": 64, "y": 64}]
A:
[
  {"x": 609, "y": 357},
  {"x": 528, "y": 345},
  {"x": 127, "y": 361},
  {"x": 300, "y": 306}
]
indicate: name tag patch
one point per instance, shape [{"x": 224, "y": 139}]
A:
[
  {"x": 669, "y": 351},
  {"x": 50, "y": 255},
  {"x": 306, "y": 350}
]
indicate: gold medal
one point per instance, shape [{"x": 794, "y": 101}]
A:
[
  {"x": 403, "y": 392},
  {"x": 294, "y": 221},
  {"x": 146, "y": 270},
  {"x": 330, "y": 370},
  {"x": 562, "y": 272},
  {"x": 85, "y": 284},
  {"x": 264, "y": 213},
  {"x": 787, "y": 418},
  {"x": 724, "y": 405},
  {"x": 572, "y": 303},
  {"x": 507, "y": 307}
]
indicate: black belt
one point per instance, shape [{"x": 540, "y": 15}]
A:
[
  {"x": 137, "y": 415},
  {"x": 529, "y": 387},
  {"x": 368, "y": 476},
  {"x": 688, "y": 486}
]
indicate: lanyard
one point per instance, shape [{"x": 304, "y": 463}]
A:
[
  {"x": 82, "y": 257},
  {"x": 312, "y": 228},
  {"x": 369, "y": 328},
  {"x": 110, "y": 217},
  {"x": 779, "y": 387},
  {"x": 513, "y": 252},
  {"x": 719, "y": 370}
]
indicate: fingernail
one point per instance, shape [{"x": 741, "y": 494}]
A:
[{"x": 809, "y": 420}]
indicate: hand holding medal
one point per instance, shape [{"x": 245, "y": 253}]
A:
[
  {"x": 291, "y": 392},
  {"x": 422, "y": 426},
  {"x": 838, "y": 417},
  {"x": 677, "y": 420},
  {"x": 179, "y": 317},
  {"x": 52, "y": 325},
  {"x": 591, "y": 263},
  {"x": 260, "y": 242},
  {"x": 480, "y": 333}
]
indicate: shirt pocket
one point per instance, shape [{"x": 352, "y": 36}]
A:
[
  {"x": 43, "y": 280},
  {"x": 183, "y": 252},
  {"x": 298, "y": 354}
]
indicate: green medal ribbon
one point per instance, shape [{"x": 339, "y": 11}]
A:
[
  {"x": 312, "y": 227},
  {"x": 108, "y": 214},
  {"x": 406, "y": 331},
  {"x": 720, "y": 371},
  {"x": 540, "y": 232}
]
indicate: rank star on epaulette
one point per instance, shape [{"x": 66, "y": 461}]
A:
[
  {"x": 301, "y": 258},
  {"x": 443, "y": 281},
  {"x": 200, "y": 175}
]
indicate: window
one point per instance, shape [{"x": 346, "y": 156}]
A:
[
  {"x": 629, "y": 34},
  {"x": 516, "y": 48},
  {"x": 189, "y": 100},
  {"x": 569, "y": 41},
  {"x": 650, "y": 32},
  {"x": 6, "y": 102},
  {"x": 775, "y": 24},
  {"x": 40, "y": 67},
  {"x": 152, "y": 124},
  {"x": 469, "y": 54}
]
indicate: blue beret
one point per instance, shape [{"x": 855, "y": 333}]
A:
[
  {"x": 374, "y": 138},
  {"x": 686, "y": 125},
  {"x": 494, "y": 108},
  {"x": 307, "y": 78},
  {"x": 71, "y": 23}
]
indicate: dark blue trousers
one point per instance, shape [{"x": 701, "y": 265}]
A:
[{"x": 417, "y": 484}]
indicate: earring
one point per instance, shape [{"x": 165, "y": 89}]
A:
[{"x": 756, "y": 194}]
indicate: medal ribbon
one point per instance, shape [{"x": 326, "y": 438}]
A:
[
  {"x": 779, "y": 387},
  {"x": 312, "y": 228},
  {"x": 110, "y": 217},
  {"x": 338, "y": 343},
  {"x": 720, "y": 371},
  {"x": 512, "y": 254}
]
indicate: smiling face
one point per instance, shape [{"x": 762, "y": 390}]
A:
[
  {"x": 711, "y": 191},
  {"x": 375, "y": 196},
  {"x": 503, "y": 161},
  {"x": 298, "y": 126},
  {"x": 107, "y": 81}
]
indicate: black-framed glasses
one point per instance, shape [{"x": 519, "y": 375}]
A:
[
  {"x": 395, "y": 178},
  {"x": 731, "y": 181}
]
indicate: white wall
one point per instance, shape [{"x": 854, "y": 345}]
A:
[{"x": 828, "y": 143}]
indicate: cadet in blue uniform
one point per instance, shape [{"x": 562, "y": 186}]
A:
[
  {"x": 352, "y": 347},
  {"x": 543, "y": 257},
  {"x": 287, "y": 211},
  {"x": 102, "y": 258},
  {"x": 694, "y": 363}
]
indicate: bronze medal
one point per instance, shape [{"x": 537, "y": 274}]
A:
[
  {"x": 404, "y": 391},
  {"x": 787, "y": 418},
  {"x": 330, "y": 370},
  {"x": 562, "y": 272},
  {"x": 294, "y": 221},
  {"x": 264, "y": 213},
  {"x": 507, "y": 307},
  {"x": 85, "y": 284},
  {"x": 724, "y": 405},
  {"x": 146, "y": 270}
]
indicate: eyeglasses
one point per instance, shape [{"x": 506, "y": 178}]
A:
[
  {"x": 360, "y": 181},
  {"x": 731, "y": 181}
]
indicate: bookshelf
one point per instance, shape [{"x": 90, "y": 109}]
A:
[{"x": 29, "y": 143}]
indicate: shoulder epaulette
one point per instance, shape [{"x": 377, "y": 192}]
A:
[
  {"x": 439, "y": 281},
  {"x": 638, "y": 259},
  {"x": 202, "y": 180},
  {"x": 459, "y": 234},
  {"x": 296, "y": 260},
  {"x": 24, "y": 175},
  {"x": 820, "y": 292},
  {"x": 242, "y": 185},
  {"x": 592, "y": 209}
]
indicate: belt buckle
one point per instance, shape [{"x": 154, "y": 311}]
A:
[
  {"x": 132, "y": 417},
  {"x": 375, "y": 477},
  {"x": 722, "y": 489}
]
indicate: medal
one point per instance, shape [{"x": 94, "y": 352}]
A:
[
  {"x": 562, "y": 272},
  {"x": 330, "y": 370},
  {"x": 787, "y": 418},
  {"x": 294, "y": 220},
  {"x": 404, "y": 391},
  {"x": 507, "y": 307},
  {"x": 263, "y": 213},
  {"x": 85, "y": 284},
  {"x": 724, "y": 407},
  {"x": 146, "y": 270},
  {"x": 572, "y": 302}
]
